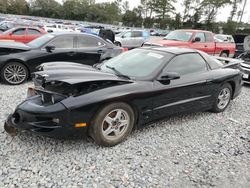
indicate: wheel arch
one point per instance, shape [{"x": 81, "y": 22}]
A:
[
  {"x": 225, "y": 51},
  {"x": 232, "y": 83}
]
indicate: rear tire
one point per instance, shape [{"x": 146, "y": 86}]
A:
[
  {"x": 223, "y": 98},
  {"x": 14, "y": 73},
  {"x": 112, "y": 124},
  {"x": 223, "y": 54}
]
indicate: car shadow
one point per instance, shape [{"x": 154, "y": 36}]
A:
[{"x": 86, "y": 141}]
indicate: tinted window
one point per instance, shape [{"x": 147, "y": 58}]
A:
[
  {"x": 127, "y": 35},
  {"x": 19, "y": 32},
  {"x": 88, "y": 42},
  {"x": 136, "y": 34},
  {"x": 63, "y": 42},
  {"x": 186, "y": 64},
  {"x": 33, "y": 32},
  {"x": 201, "y": 36},
  {"x": 209, "y": 37}
]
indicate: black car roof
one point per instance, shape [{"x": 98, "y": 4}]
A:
[
  {"x": 70, "y": 33},
  {"x": 172, "y": 50},
  {"x": 74, "y": 33}
]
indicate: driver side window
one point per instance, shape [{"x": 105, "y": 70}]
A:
[
  {"x": 19, "y": 32},
  {"x": 201, "y": 36},
  {"x": 186, "y": 64},
  {"x": 62, "y": 42},
  {"x": 127, "y": 35}
]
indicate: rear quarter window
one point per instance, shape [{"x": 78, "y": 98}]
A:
[{"x": 185, "y": 64}]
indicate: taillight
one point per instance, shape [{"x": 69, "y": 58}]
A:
[{"x": 124, "y": 49}]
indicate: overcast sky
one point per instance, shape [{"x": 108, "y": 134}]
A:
[{"x": 222, "y": 16}]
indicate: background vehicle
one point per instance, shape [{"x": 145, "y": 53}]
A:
[
  {"x": 22, "y": 34},
  {"x": 196, "y": 39},
  {"x": 110, "y": 99},
  {"x": 56, "y": 28},
  {"x": 18, "y": 61},
  {"x": 6, "y": 25},
  {"x": 245, "y": 66},
  {"x": 242, "y": 41},
  {"x": 132, "y": 39}
]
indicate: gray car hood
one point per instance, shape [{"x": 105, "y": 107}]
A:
[{"x": 73, "y": 73}]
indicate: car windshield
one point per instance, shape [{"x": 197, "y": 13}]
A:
[
  {"x": 179, "y": 36},
  {"x": 40, "y": 41},
  {"x": 137, "y": 63}
]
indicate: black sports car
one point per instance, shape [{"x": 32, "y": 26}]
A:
[
  {"x": 137, "y": 87},
  {"x": 18, "y": 60}
]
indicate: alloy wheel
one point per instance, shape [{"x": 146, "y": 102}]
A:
[
  {"x": 223, "y": 98},
  {"x": 115, "y": 124},
  {"x": 15, "y": 73}
]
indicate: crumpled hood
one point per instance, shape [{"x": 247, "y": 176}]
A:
[
  {"x": 73, "y": 73},
  {"x": 14, "y": 45}
]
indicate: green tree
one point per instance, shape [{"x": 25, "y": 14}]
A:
[
  {"x": 125, "y": 6},
  {"x": 46, "y": 8},
  {"x": 162, "y": 7},
  {"x": 132, "y": 18},
  {"x": 75, "y": 9}
]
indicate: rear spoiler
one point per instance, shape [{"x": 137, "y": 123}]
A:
[{"x": 230, "y": 62}]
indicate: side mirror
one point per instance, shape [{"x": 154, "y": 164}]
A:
[
  {"x": 10, "y": 34},
  {"x": 197, "y": 39},
  {"x": 49, "y": 48},
  {"x": 123, "y": 36},
  {"x": 166, "y": 77}
]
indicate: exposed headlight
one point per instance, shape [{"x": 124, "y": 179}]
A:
[{"x": 31, "y": 91}]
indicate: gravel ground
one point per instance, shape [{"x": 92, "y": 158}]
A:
[{"x": 196, "y": 150}]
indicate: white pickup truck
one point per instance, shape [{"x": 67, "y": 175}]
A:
[{"x": 56, "y": 28}]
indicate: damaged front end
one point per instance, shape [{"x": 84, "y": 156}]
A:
[{"x": 44, "y": 111}]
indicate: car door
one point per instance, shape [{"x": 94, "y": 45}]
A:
[
  {"x": 126, "y": 39},
  {"x": 18, "y": 35},
  {"x": 90, "y": 49},
  {"x": 204, "y": 44},
  {"x": 64, "y": 50},
  {"x": 188, "y": 93},
  {"x": 32, "y": 33},
  {"x": 137, "y": 38}
]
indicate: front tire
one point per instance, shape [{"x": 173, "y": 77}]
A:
[
  {"x": 112, "y": 124},
  {"x": 223, "y": 98},
  {"x": 14, "y": 73}
]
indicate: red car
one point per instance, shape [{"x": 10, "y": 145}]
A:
[
  {"x": 196, "y": 39},
  {"x": 22, "y": 34}
]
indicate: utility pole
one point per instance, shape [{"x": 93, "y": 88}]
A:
[{"x": 245, "y": 2}]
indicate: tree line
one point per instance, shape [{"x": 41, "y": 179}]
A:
[{"x": 197, "y": 14}]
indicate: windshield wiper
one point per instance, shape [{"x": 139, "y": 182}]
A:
[{"x": 118, "y": 73}]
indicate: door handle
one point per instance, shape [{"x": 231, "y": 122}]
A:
[
  {"x": 99, "y": 51},
  {"x": 205, "y": 46},
  {"x": 71, "y": 53}
]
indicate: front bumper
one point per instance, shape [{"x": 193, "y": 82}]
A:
[{"x": 51, "y": 121}]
